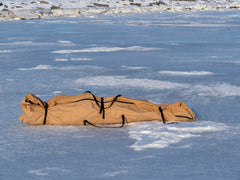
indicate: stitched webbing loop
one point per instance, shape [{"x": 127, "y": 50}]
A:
[
  {"x": 102, "y": 106},
  {"x": 162, "y": 115},
  {"x": 46, "y": 111},
  {"x": 102, "y": 109},
  {"x": 85, "y": 122}
]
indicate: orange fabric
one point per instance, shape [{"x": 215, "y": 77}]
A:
[{"x": 73, "y": 110}]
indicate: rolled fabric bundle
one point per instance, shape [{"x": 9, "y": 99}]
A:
[{"x": 84, "y": 109}]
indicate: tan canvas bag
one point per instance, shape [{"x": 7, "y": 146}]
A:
[{"x": 87, "y": 108}]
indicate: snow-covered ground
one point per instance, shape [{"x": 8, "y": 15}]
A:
[
  {"x": 191, "y": 57},
  {"x": 34, "y": 9}
]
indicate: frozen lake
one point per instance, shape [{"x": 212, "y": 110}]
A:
[{"x": 191, "y": 57}]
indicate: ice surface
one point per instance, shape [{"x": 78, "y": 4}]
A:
[{"x": 191, "y": 57}]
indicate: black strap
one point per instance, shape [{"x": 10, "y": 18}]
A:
[
  {"x": 101, "y": 106},
  {"x": 163, "y": 119},
  {"x": 94, "y": 97},
  {"x": 102, "y": 109},
  {"x": 114, "y": 100},
  {"x": 46, "y": 111},
  {"x": 161, "y": 111},
  {"x": 85, "y": 122}
]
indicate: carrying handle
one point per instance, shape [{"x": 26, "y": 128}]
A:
[{"x": 85, "y": 122}]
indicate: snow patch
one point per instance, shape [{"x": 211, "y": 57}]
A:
[
  {"x": 141, "y": 158},
  {"x": 46, "y": 171},
  {"x": 5, "y": 51},
  {"x": 233, "y": 62},
  {"x": 207, "y": 128},
  {"x": 28, "y": 43},
  {"x": 10, "y": 80},
  {"x": 186, "y": 146},
  {"x": 20, "y": 43},
  {"x": 25, "y": 15},
  {"x": 149, "y": 23},
  {"x": 106, "y": 49},
  {"x": 218, "y": 90},
  {"x": 122, "y": 81},
  {"x": 56, "y": 92},
  {"x": 156, "y": 135},
  {"x": 200, "y": 25},
  {"x": 49, "y": 67},
  {"x": 60, "y": 21},
  {"x": 115, "y": 173},
  {"x": 70, "y": 68},
  {"x": 64, "y": 42},
  {"x": 134, "y": 67},
  {"x": 186, "y": 73},
  {"x": 38, "y": 67},
  {"x": 61, "y": 60},
  {"x": 23, "y": 38},
  {"x": 173, "y": 44},
  {"x": 81, "y": 59}
]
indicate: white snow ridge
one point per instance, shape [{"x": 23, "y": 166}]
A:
[
  {"x": 5, "y": 51},
  {"x": 38, "y": 67},
  {"x": 81, "y": 59},
  {"x": 61, "y": 59},
  {"x": 216, "y": 89},
  {"x": 155, "y": 135},
  {"x": 106, "y": 49},
  {"x": 48, "y": 170},
  {"x": 122, "y": 81},
  {"x": 186, "y": 73}
]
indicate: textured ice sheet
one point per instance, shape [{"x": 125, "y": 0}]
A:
[
  {"x": 212, "y": 89},
  {"x": 205, "y": 149}
]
